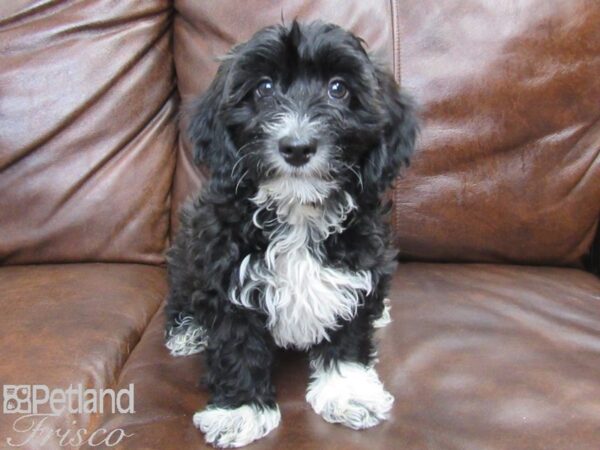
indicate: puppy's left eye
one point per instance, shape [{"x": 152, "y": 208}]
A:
[
  {"x": 337, "y": 89},
  {"x": 265, "y": 88}
]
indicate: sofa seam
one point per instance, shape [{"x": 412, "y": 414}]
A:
[
  {"x": 396, "y": 66},
  {"x": 170, "y": 203}
]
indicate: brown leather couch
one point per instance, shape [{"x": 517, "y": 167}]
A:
[{"x": 495, "y": 340}]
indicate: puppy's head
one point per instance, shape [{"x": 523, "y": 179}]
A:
[{"x": 303, "y": 109}]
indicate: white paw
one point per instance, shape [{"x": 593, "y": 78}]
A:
[
  {"x": 186, "y": 337},
  {"x": 351, "y": 395},
  {"x": 236, "y": 427},
  {"x": 385, "y": 318}
]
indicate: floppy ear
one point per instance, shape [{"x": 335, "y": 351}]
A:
[
  {"x": 211, "y": 141},
  {"x": 398, "y": 135}
]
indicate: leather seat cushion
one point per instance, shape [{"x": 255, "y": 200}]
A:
[
  {"x": 477, "y": 356},
  {"x": 71, "y": 324}
]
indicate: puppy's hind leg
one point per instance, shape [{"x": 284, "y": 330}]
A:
[{"x": 184, "y": 336}]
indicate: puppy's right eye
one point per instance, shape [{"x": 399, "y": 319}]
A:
[{"x": 265, "y": 88}]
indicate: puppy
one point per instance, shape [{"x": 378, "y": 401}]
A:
[{"x": 287, "y": 246}]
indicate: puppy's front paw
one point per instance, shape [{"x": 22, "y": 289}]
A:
[
  {"x": 236, "y": 427},
  {"x": 351, "y": 395}
]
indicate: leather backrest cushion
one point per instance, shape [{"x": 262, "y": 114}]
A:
[
  {"x": 207, "y": 30},
  {"x": 507, "y": 168},
  {"x": 87, "y": 130},
  {"x": 509, "y": 163}
]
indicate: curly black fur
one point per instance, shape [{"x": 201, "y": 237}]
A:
[{"x": 372, "y": 131}]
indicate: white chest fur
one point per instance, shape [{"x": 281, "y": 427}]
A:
[{"x": 304, "y": 299}]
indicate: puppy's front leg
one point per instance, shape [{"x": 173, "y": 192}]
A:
[
  {"x": 239, "y": 358},
  {"x": 344, "y": 386}
]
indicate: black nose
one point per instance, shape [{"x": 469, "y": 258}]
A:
[{"x": 297, "y": 152}]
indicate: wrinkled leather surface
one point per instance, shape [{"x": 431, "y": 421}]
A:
[
  {"x": 509, "y": 161},
  {"x": 204, "y": 31},
  {"x": 71, "y": 324},
  {"x": 87, "y": 130},
  {"x": 477, "y": 356}
]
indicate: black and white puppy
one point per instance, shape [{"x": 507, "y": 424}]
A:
[{"x": 287, "y": 246}]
